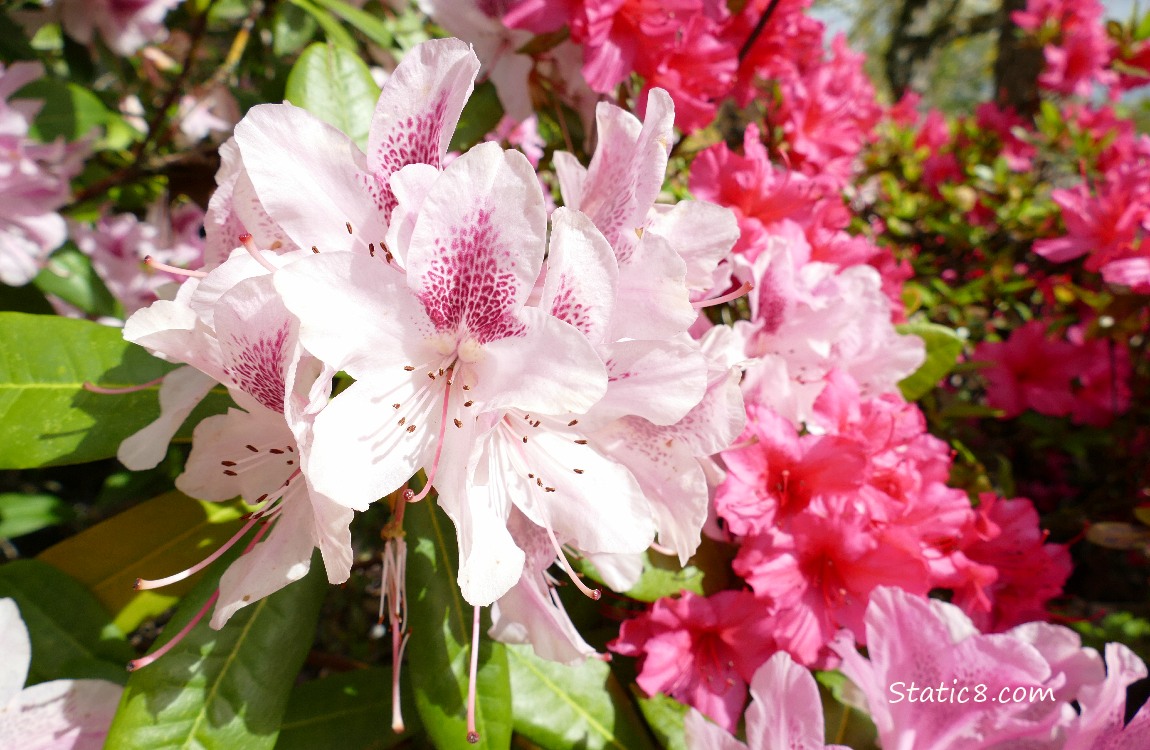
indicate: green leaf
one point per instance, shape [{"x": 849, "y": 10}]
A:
[
  {"x": 154, "y": 539},
  {"x": 440, "y": 647},
  {"x": 46, "y": 416},
  {"x": 72, "y": 636},
  {"x": 68, "y": 110},
  {"x": 354, "y": 706},
  {"x": 372, "y": 27},
  {"x": 480, "y": 115},
  {"x": 557, "y": 706},
  {"x": 665, "y": 717},
  {"x": 23, "y": 514},
  {"x": 335, "y": 85},
  {"x": 942, "y": 349},
  {"x": 292, "y": 28},
  {"x": 69, "y": 275},
  {"x": 335, "y": 33},
  {"x": 227, "y": 688}
]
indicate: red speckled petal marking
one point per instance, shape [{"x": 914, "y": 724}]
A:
[
  {"x": 470, "y": 285},
  {"x": 416, "y": 114},
  {"x": 258, "y": 366}
]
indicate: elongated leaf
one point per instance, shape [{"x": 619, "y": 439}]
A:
[
  {"x": 942, "y": 349},
  {"x": 334, "y": 85},
  {"x": 157, "y": 538},
  {"x": 440, "y": 647},
  {"x": 354, "y": 706},
  {"x": 23, "y": 514},
  {"x": 372, "y": 27},
  {"x": 665, "y": 717},
  {"x": 335, "y": 33},
  {"x": 72, "y": 636},
  {"x": 292, "y": 28},
  {"x": 222, "y": 689},
  {"x": 46, "y": 416},
  {"x": 556, "y": 706}
]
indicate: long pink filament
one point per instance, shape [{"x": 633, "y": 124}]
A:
[
  {"x": 439, "y": 445},
  {"x": 250, "y": 245},
  {"x": 472, "y": 734},
  {"x": 143, "y": 585},
  {"x": 589, "y": 592},
  {"x": 149, "y": 260},
  {"x": 146, "y": 660},
  {"x": 93, "y": 388},
  {"x": 746, "y": 287}
]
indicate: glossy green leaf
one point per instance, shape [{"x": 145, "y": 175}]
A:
[
  {"x": 439, "y": 651},
  {"x": 557, "y": 706},
  {"x": 354, "y": 706},
  {"x": 371, "y": 26},
  {"x": 154, "y": 539},
  {"x": 227, "y": 688},
  {"x": 335, "y": 85},
  {"x": 46, "y": 416},
  {"x": 665, "y": 716},
  {"x": 942, "y": 349},
  {"x": 23, "y": 514},
  {"x": 72, "y": 635},
  {"x": 69, "y": 275},
  {"x": 69, "y": 111}
]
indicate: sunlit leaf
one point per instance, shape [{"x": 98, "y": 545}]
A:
[
  {"x": 440, "y": 647},
  {"x": 371, "y": 26},
  {"x": 159, "y": 537},
  {"x": 23, "y": 514},
  {"x": 664, "y": 716},
  {"x": 69, "y": 111},
  {"x": 46, "y": 416},
  {"x": 354, "y": 706},
  {"x": 72, "y": 635},
  {"x": 557, "y": 706},
  {"x": 227, "y": 688},
  {"x": 942, "y": 349},
  {"x": 69, "y": 275},
  {"x": 334, "y": 31},
  {"x": 334, "y": 84}
]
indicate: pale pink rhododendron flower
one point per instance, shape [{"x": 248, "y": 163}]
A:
[
  {"x": 124, "y": 25},
  {"x": 119, "y": 244},
  {"x": 233, "y": 329},
  {"x": 56, "y": 715},
  {"x": 933, "y": 647},
  {"x": 786, "y": 712},
  {"x": 33, "y": 181}
]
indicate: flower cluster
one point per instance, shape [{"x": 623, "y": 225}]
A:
[
  {"x": 549, "y": 402},
  {"x": 33, "y": 181}
]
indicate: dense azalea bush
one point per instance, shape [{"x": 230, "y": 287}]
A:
[{"x": 565, "y": 374}]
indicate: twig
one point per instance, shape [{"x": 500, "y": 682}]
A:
[{"x": 755, "y": 32}]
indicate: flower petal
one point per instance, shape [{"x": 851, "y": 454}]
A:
[
  {"x": 416, "y": 113},
  {"x": 313, "y": 192},
  {"x": 17, "y": 650},
  {"x": 581, "y": 275}
]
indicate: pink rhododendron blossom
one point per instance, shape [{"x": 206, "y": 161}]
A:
[
  {"x": 56, "y": 715},
  {"x": 124, "y": 25},
  {"x": 702, "y": 651},
  {"x": 1030, "y": 572},
  {"x": 33, "y": 182},
  {"x": 118, "y": 245},
  {"x": 1054, "y": 376},
  {"x": 1080, "y": 57},
  {"x": 923, "y": 653},
  {"x": 786, "y": 711},
  {"x": 819, "y": 570}
]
